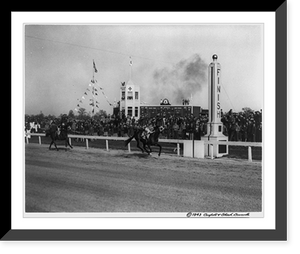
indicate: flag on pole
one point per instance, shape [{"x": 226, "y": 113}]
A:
[
  {"x": 130, "y": 61},
  {"x": 94, "y": 66}
]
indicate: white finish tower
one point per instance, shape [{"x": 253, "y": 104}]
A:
[{"x": 214, "y": 125}]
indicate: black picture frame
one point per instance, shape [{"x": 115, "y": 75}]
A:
[{"x": 277, "y": 234}]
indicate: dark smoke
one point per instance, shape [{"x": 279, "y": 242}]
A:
[{"x": 185, "y": 78}]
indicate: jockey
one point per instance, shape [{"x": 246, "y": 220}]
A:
[
  {"x": 53, "y": 126},
  {"x": 148, "y": 129},
  {"x": 58, "y": 127},
  {"x": 63, "y": 124}
]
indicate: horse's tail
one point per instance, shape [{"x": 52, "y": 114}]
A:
[{"x": 127, "y": 141}]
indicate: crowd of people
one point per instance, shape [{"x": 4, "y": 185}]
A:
[{"x": 242, "y": 126}]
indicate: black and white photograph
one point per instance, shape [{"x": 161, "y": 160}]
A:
[
  {"x": 148, "y": 126},
  {"x": 144, "y": 120}
]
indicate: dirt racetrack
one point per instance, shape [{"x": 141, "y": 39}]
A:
[{"x": 94, "y": 180}]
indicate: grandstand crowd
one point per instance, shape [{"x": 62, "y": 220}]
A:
[{"x": 245, "y": 125}]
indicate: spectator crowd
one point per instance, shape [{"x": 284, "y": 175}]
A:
[{"x": 241, "y": 126}]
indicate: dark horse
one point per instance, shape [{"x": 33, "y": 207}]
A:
[
  {"x": 151, "y": 141},
  {"x": 56, "y": 135}
]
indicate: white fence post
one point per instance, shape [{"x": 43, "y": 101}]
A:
[
  {"x": 211, "y": 148},
  {"x": 27, "y": 139},
  {"x": 249, "y": 154},
  {"x": 40, "y": 140},
  {"x": 129, "y": 148},
  {"x": 87, "y": 143},
  {"x": 107, "y": 149},
  {"x": 178, "y": 149},
  {"x": 70, "y": 141}
]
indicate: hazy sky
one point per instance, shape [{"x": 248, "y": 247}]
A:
[{"x": 169, "y": 61}]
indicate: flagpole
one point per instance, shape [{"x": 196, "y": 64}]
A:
[
  {"x": 130, "y": 64},
  {"x": 93, "y": 71},
  {"x": 93, "y": 89}
]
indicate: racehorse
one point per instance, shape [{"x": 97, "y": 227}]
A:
[
  {"x": 56, "y": 135},
  {"x": 151, "y": 141}
]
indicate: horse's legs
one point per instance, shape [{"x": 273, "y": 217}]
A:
[
  {"x": 144, "y": 146},
  {"x": 154, "y": 145},
  {"x": 150, "y": 151},
  {"x": 138, "y": 145},
  {"x": 52, "y": 142},
  {"x": 159, "y": 148},
  {"x": 67, "y": 143},
  {"x": 50, "y": 145},
  {"x": 55, "y": 145}
]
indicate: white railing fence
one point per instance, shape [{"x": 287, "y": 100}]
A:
[
  {"x": 173, "y": 141},
  {"x": 235, "y": 143}
]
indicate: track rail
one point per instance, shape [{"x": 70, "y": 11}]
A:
[{"x": 174, "y": 141}]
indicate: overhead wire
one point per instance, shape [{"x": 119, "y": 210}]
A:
[
  {"x": 228, "y": 98},
  {"x": 98, "y": 49}
]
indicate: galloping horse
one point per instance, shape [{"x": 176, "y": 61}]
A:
[
  {"x": 151, "y": 141},
  {"x": 56, "y": 135}
]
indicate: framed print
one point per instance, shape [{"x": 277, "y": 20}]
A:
[{"x": 148, "y": 127}]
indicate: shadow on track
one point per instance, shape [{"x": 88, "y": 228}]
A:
[
  {"x": 60, "y": 148},
  {"x": 138, "y": 155}
]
